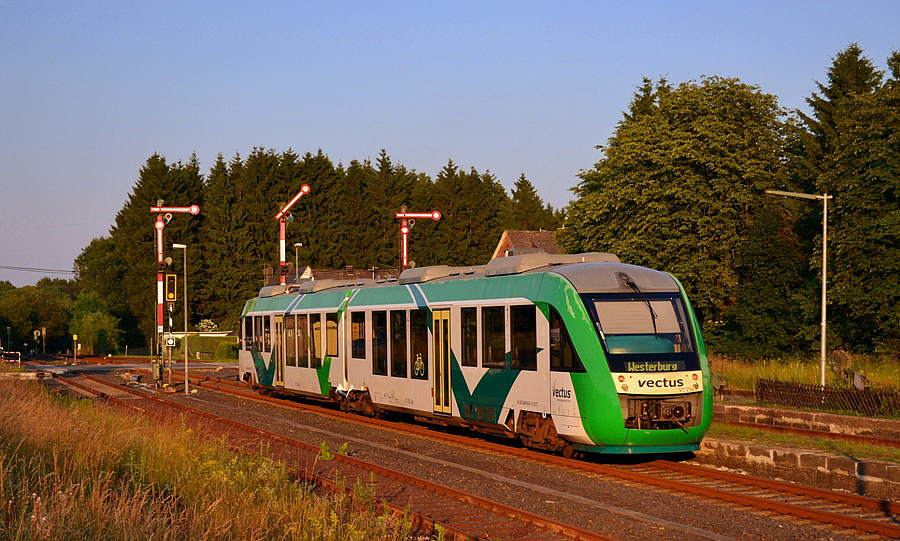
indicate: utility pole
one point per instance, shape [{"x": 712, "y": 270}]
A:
[{"x": 824, "y": 198}]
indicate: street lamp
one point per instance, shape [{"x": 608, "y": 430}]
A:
[
  {"x": 824, "y": 199},
  {"x": 184, "y": 247},
  {"x": 297, "y": 261}
]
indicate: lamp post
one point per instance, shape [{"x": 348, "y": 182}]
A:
[
  {"x": 184, "y": 247},
  {"x": 297, "y": 261},
  {"x": 825, "y": 197}
]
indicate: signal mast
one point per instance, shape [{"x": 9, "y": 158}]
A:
[{"x": 164, "y": 216}]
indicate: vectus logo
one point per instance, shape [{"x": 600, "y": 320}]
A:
[
  {"x": 562, "y": 393},
  {"x": 661, "y": 383}
]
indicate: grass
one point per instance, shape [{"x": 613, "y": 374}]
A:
[
  {"x": 836, "y": 447},
  {"x": 742, "y": 374},
  {"x": 70, "y": 470}
]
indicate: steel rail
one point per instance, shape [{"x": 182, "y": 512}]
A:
[
  {"x": 311, "y": 477},
  {"x": 826, "y": 517},
  {"x": 463, "y": 497}
]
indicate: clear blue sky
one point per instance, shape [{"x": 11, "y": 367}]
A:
[{"x": 89, "y": 90}]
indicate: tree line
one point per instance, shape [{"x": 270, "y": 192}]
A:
[
  {"x": 679, "y": 186},
  {"x": 346, "y": 220}
]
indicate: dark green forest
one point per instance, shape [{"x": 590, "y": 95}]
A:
[{"x": 679, "y": 186}]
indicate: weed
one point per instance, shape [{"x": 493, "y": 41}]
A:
[{"x": 71, "y": 470}]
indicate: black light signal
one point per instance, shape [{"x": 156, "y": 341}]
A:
[{"x": 171, "y": 287}]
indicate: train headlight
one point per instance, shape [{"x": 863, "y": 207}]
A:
[
  {"x": 696, "y": 386},
  {"x": 624, "y": 387},
  {"x": 695, "y": 377},
  {"x": 621, "y": 379}
]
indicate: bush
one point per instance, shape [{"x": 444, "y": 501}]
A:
[
  {"x": 206, "y": 346},
  {"x": 226, "y": 351}
]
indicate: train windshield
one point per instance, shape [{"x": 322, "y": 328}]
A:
[{"x": 643, "y": 332}]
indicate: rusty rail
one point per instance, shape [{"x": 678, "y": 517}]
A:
[
  {"x": 826, "y": 517},
  {"x": 512, "y": 525}
]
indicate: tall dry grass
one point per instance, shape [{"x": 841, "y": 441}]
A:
[
  {"x": 72, "y": 470},
  {"x": 882, "y": 371}
]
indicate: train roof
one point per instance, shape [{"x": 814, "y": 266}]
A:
[
  {"x": 500, "y": 266},
  {"x": 579, "y": 269}
]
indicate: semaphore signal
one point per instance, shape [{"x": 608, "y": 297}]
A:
[
  {"x": 283, "y": 217},
  {"x": 407, "y": 221},
  {"x": 164, "y": 216}
]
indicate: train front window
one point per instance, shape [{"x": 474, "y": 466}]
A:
[{"x": 643, "y": 332}]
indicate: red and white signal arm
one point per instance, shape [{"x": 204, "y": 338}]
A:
[
  {"x": 193, "y": 209},
  {"x": 433, "y": 215}
]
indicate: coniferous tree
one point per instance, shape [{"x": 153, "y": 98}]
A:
[
  {"x": 474, "y": 208},
  {"x": 528, "y": 211},
  {"x": 223, "y": 244},
  {"x": 315, "y": 219},
  {"x": 850, "y": 150}
]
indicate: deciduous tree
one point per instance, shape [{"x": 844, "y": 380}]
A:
[{"x": 680, "y": 184}]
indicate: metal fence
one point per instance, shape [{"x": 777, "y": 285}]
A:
[{"x": 871, "y": 402}]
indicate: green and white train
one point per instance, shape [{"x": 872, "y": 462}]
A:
[{"x": 569, "y": 353}]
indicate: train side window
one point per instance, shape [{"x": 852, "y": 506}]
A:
[
  {"x": 290, "y": 340},
  {"x": 257, "y": 333},
  {"x": 379, "y": 343},
  {"x": 523, "y": 328},
  {"x": 563, "y": 357},
  {"x": 418, "y": 321},
  {"x": 302, "y": 341},
  {"x": 398, "y": 343},
  {"x": 358, "y": 335},
  {"x": 493, "y": 337},
  {"x": 246, "y": 332},
  {"x": 315, "y": 340},
  {"x": 469, "y": 336},
  {"x": 267, "y": 333},
  {"x": 331, "y": 335}
]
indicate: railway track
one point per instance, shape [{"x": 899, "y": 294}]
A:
[
  {"x": 836, "y": 509},
  {"x": 458, "y": 514},
  {"x": 864, "y": 439}
]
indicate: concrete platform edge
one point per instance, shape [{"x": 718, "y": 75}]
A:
[{"x": 866, "y": 478}]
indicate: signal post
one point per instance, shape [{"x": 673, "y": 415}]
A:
[
  {"x": 284, "y": 216},
  {"x": 163, "y": 217}
]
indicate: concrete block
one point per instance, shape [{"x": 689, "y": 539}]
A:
[{"x": 842, "y": 465}]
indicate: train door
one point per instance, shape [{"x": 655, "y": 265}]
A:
[
  {"x": 441, "y": 330},
  {"x": 278, "y": 355}
]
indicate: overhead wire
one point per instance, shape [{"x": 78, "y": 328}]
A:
[{"x": 34, "y": 269}]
